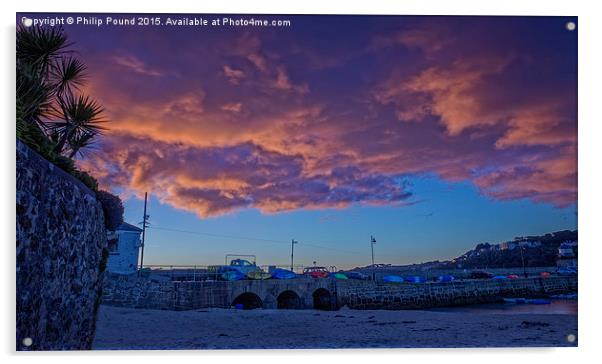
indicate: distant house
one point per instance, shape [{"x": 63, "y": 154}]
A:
[
  {"x": 565, "y": 251},
  {"x": 529, "y": 243},
  {"x": 509, "y": 245},
  {"x": 566, "y": 255},
  {"x": 124, "y": 246}
]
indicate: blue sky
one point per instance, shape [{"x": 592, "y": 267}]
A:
[{"x": 449, "y": 219}]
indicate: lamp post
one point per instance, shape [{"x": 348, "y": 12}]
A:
[
  {"x": 522, "y": 258},
  {"x": 293, "y": 242},
  {"x": 372, "y": 242}
]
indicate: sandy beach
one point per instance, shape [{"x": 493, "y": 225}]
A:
[{"x": 124, "y": 328}]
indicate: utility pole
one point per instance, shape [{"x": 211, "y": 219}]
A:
[
  {"x": 144, "y": 225},
  {"x": 293, "y": 242},
  {"x": 372, "y": 242},
  {"x": 522, "y": 258}
]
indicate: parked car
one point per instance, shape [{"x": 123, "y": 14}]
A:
[
  {"x": 237, "y": 270},
  {"x": 243, "y": 266},
  {"x": 479, "y": 274},
  {"x": 316, "y": 272}
]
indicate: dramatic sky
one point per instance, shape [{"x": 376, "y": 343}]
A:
[{"x": 431, "y": 133}]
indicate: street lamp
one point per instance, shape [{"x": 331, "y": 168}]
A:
[
  {"x": 372, "y": 242},
  {"x": 293, "y": 242},
  {"x": 522, "y": 258}
]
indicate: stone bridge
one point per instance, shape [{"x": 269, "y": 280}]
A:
[
  {"x": 287, "y": 294},
  {"x": 323, "y": 294},
  {"x": 298, "y": 293}
]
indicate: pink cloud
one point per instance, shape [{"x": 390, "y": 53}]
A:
[
  {"x": 234, "y": 76},
  {"x": 134, "y": 64},
  {"x": 284, "y": 83},
  {"x": 213, "y": 181},
  {"x": 458, "y": 111},
  {"x": 232, "y": 107}
]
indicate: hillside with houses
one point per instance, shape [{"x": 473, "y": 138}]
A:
[{"x": 537, "y": 251}]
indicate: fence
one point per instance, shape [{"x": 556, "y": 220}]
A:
[
  {"x": 434, "y": 273},
  {"x": 202, "y": 272}
]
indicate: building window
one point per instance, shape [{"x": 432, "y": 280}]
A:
[{"x": 113, "y": 246}]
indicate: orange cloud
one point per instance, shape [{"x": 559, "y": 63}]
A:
[{"x": 261, "y": 140}]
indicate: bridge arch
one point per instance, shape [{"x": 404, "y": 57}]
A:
[
  {"x": 322, "y": 299},
  {"x": 248, "y": 301},
  {"x": 289, "y": 300}
]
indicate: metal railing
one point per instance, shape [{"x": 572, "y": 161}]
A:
[
  {"x": 212, "y": 272},
  {"x": 180, "y": 272},
  {"x": 176, "y": 272}
]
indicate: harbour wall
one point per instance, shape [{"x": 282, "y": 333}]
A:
[
  {"x": 367, "y": 295},
  {"x": 302, "y": 293}
]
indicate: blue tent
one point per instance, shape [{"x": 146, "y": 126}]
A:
[
  {"x": 393, "y": 279},
  {"x": 446, "y": 278},
  {"x": 280, "y": 273},
  {"x": 232, "y": 275},
  {"x": 356, "y": 275}
]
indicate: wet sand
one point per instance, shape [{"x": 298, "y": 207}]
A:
[{"x": 124, "y": 328}]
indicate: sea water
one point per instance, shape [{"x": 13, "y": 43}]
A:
[{"x": 556, "y": 306}]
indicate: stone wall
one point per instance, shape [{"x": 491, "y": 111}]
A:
[
  {"x": 159, "y": 293},
  {"x": 60, "y": 241},
  {"x": 149, "y": 292},
  {"x": 367, "y": 295}
]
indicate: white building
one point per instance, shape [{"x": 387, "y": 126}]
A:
[
  {"x": 124, "y": 246},
  {"x": 509, "y": 245},
  {"x": 565, "y": 251},
  {"x": 529, "y": 244}
]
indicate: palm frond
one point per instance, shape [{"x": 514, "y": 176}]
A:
[
  {"x": 49, "y": 113},
  {"x": 86, "y": 114},
  {"x": 68, "y": 75},
  {"x": 40, "y": 47},
  {"x": 34, "y": 96},
  {"x": 79, "y": 141},
  {"x": 80, "y": 115}
]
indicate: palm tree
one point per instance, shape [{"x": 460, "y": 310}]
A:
[
  {"x": 48, "y": 92},
  {"x": 77, "y": 117},
  {"x": 34, "y": 100},
  {"x": 40, "y": 47}
]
